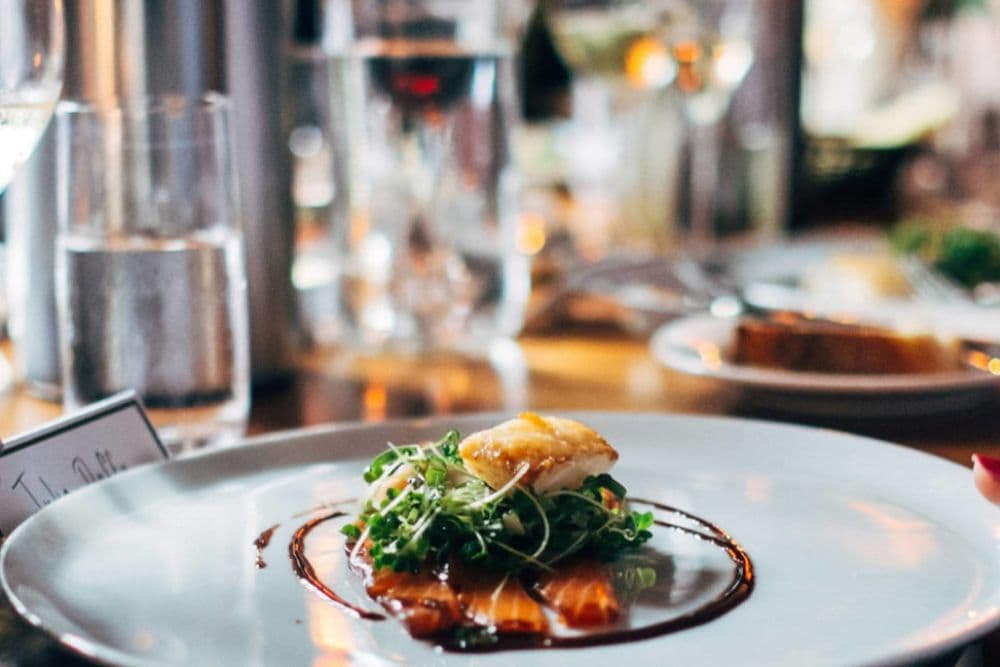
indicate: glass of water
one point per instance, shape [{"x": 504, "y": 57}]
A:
[
  {"x": 150, "y": 277},
  {"x": 425, "y": 233}
]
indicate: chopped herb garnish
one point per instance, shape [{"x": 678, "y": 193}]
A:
[{"x": 425, "y": 507}]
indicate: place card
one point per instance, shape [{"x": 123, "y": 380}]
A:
[{"x": 47, "y": 463}]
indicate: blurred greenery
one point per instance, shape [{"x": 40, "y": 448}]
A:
[
  {"x": 966, "y": 254},
  {"x": 934, "y": 9}
]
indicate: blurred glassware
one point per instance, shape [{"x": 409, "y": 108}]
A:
[
  {"x": 117, "y": 51},
  {"x": 425, "y": 220},
  {"x": 955, "y": 176},
  {"x": 712, "y": 43},
  {"x": 31, "y": 65},
  {"x": 649, "y": 78},
  {"x": 629, "y": 275},
  {"x": 150, "y": 277},
  {"x": 620, "y": 148},
  {"x": 880, "y": 83},
  {"x": 31, "y": 75},
  {"x": 310, "y": 131},
  {"x": 319, "y": 28},
  {"x": 901, "y": 111}
]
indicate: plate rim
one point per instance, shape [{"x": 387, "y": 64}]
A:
[{"x": 108, "y": 655}]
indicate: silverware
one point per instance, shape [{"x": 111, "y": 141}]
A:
[
  {"x": 931, "y": 285},
  {"x": 987, "y": 294}
]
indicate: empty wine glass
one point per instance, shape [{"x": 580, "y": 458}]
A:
[
  {"x": 619, "y": 53},
  {"x": 31, "y": 64},
  {"x": 622, "y": 53},
  {"x": 712, "y": 43}
]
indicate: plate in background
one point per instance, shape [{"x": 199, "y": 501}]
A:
[{"x": 700, "y": 344}]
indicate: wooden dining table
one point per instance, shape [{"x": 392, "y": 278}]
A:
[{"x": 580, "y": 368}]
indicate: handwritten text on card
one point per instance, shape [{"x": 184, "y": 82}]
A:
[{"x": 94, "y": 444}]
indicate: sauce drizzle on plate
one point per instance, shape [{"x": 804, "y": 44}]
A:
[{"x": 465, "y": 639}]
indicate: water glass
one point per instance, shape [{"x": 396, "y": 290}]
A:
[
  {"x": 425, "y": 233},
  {"x": 150, "y": 277}
]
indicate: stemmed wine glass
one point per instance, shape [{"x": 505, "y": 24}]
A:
[
  {"x": 712, "y": 43},
  {"x": 31, "y": 72},
  {"x": 427, "y": 255},
  {"x": 31, "y": 66},
  {"x": 618, "y": 51},
  {"x": 625, "y": 52}
]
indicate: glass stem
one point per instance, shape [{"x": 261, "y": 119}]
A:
[
  {"x": 591, "y": 102},
  {"x": 705, "y": 144},
  {"x": 592, "y": 161}
]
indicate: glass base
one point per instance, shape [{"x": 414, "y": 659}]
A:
[
  {"x": 47, "y": 391},
  {"x": 181, "y": 442},
  {"x": 188, "y": 430}
]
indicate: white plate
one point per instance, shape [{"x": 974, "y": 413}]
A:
[
  {"x": 864, "y": 552},
  {"x": 771, "y": 276},
  {"x": 777, "y": 276},
  {"x": 700, "y": 345}
]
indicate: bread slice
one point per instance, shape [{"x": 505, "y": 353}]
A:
[{"x": 830, "y": 347}]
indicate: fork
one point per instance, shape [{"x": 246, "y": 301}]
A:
[{"x": 931, "y": 286}]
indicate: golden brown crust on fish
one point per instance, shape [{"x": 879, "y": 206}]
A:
[{"x": 558, "y": 452}]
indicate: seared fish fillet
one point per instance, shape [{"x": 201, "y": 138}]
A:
[{"x": 560, "y": 453}]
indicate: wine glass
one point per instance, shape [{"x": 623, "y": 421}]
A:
[
  {"x": 31, "y": 65},
  {"x": 624, "y": 52},
  {"x": 427, "y": 255},
  {"x": 619, "y": 53},
  {"x": 712, "y": 43}
]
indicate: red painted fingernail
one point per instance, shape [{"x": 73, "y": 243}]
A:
[{"x": 990, "y": 464}]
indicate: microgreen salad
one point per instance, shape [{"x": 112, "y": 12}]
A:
[{"x": 425, "y": 506}]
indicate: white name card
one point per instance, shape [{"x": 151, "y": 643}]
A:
[{"x": 93, "y": 444}]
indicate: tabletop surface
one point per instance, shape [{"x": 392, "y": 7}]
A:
[{"x": 583, "y": 370}]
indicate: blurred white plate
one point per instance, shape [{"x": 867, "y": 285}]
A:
[
  {"x": 700, "y": 345},
  {"x": 864, "y": 552},
  {"x": 774, "y": 277}
]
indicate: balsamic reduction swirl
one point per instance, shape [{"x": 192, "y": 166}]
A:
[
  {"x": 307, "y": 573},
  {"x": 736, "y": 591},
  {"x": 261, "y": 543}
]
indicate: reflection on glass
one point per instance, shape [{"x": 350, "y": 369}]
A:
[
  {"x": 619, "y": 53},
  {"x": 426, "y": 249},
  {"x": 712, "y": 44},
  {"x": 31, "y": 53},
  {"x": 629, "y": 58}
]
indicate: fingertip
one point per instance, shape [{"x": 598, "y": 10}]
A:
[{"x": 986, "y": 475}]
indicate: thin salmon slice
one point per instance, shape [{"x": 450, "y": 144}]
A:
[
  {"x": 422, "y": 602},
  {"x": 493, "y": 600},
  {"x": 582, "y": 593}
]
